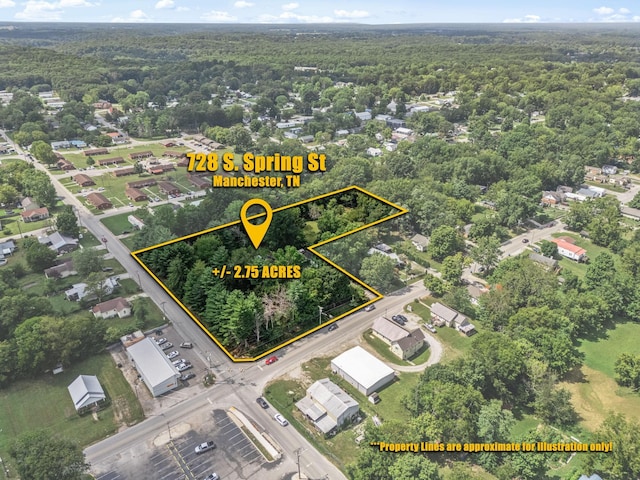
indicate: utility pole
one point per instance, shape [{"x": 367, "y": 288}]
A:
[
  {"x": 320, "y": 315},
  {"x": 298, "y": 451}
]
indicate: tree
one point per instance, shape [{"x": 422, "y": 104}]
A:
[
  {"x": 43, "y": 152},
  {"x": 8, "y": 194},
  {"x": 40, "y": 455},
  {"x": 67, "y": 223},
  {"x": 486, "y": 253},
  {"x": 627, "y": 370},
  {"x": 240, "y": 138},
  {"x": 623, "y": 462},
  {"x": 38, "y": 256},
  {"x": 90, "y": 160},
  {"x": 87, "y": 260},
  {"x": 452, "y": 268},
  {"x": 435, "y": 285},
  {"x": 377, "y": 271},
  {"x": 548, "y": 249},
  {"x": 445, "y": 241},
  {"x": 414, "y": 467},
  {"x": 97, "y": 285}
]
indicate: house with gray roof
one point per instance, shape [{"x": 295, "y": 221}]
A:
[
  {"x": 59, "y": 243},
  {"x": 443, "y": 315},
  {"x": 402, "y": 342},
  {"x": 328, "y": 406},
  {"x": 86, "y": 392},
  {"x": 420, "y": 242}
]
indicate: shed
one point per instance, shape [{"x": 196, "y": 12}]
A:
[{"x": 86, "y": 392}]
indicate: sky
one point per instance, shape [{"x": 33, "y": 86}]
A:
[{"x": 315, "y": 11}]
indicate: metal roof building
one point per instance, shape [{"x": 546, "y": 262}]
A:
[
  {"x": 156, "y": 370},
  {"x": 327, "y": 405},
  {"x": 362, "y": 370},
  {"x": 86, "y": 391}
]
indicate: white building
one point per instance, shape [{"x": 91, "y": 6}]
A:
[
  {"x": 86, "y": 392},
  {"x": 155, "y": 369},
  {"x": 362, "y": 370},
  {"x": 569, "y": 250},
  {"x": 328, "y": 406},
  {"x": 116, "y": 307}
]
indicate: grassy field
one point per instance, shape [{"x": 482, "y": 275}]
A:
[
  {"x": 595, "y": 392},
  {"x": 341, "y": 448},
  {"x": 44, "y": 403},
  {"x": 117, "y": 223}
]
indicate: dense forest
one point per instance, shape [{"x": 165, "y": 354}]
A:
[{"x": 512, "y": 112}]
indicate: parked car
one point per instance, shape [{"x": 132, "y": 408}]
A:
[
  {"x": 431, "y": 328},
  {"x": 332, "y": 327},
  {"x": 160, "y": 341},
  {"x": 173, "y": 354},
  {"x": 179, "y": 361},
  {"x": 203, "y": 447},
  {"x": 281, "y": 420},
  {"x": 271, "y": 360},
  {"x": 187, "y": 376},
  {"x": 184, "y": 366},
  {"x": 261, "y": 401},
  {"x": 525, "y": 240},
  {"x": 399, "y": 319},
  {"x": 166, "y": 346},
  {"x": 213, "y": 476},
  {"x": 369, "y": 308},
  {"x": 186, "y": 345}
]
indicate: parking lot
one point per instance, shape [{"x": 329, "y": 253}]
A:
[{"x": 234, "y": 458}]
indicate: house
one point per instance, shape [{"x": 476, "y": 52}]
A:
[
  {"x": 547, "y": 262},
  {"x": 79, "y": 143},
  {"x": 99, "y": 201},
  {"x": 59, "y": 243},
  {"x": 118, "y": 306},
  {"x": 374, "y": 152},
  {"x": 569, "y": 250},
  {"x": 183, "y": 162},
  {"x": 403, "y": 343},
  {"x": 86, "y": 392},
  {"x": 159, "y": 169},
  {"x": 28, "y": 204},
  {"x": 592, "y": 192},
  {"x": 60, "y": 144},
  {"x": 63, "y": 270},
  {"x": 64, "y": 164},
  {"x": 148, "y": 182},
  {"x": 110, "y": 161},
  {"x": 609, "y": 169},
  {"x": 135, "y": 195},
  {"x": 96, "y": 151},
  {"x": 328, "y": 406},
  {"x": 35, "y": 214},
  {"x": 384, "y": 249},
  {"x": 362, "y": 370},
  {"x": 363, "y": 116},
  {"x": 80, "y": 291},
  {"x": 140, "y": 155},
  {"x": 123, "y": 172},
  {"x": 443, "y": 315},
  {"x": 552, "y": 198},
  {"x": 198, "y": 182},
  {"x": 83, "y": 180},
  {"x": 156, "y": 370},
  {"x": 135, "y": 222},
  {"x": 168, "y": 188},
  {"x": 420, "y": 242},
  {"x": 7, "y": 248},
  {"x": 117, "y": 137},
  {"x": 629, "y": 212}
]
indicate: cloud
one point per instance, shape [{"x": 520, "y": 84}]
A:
[
  {"x": 137, "y": 16},
  {"x": 525, "y": 19},
  {"x": 290, "y": 17},
  {"x": 624, "y": 11},
  {"x": 604, "y": 10},
  {"x": 165, "y": 4},
  {"x": 290, "y": 6},
  {"x": 43, "y": 10},
  {"x": 243, "y": 4},
  {"x": 351, "y": 14},
  {"x": 218, "y": 16}
]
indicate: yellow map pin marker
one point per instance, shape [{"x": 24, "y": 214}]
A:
[{"x": 256, "y": 232}]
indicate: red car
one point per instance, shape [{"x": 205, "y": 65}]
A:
[{"x": 271, "y": 360}]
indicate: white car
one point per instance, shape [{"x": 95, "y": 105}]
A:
[
  {"x": 281, "y": 420},
  {"x": 166, "y": 346},
  {"x": 160, "y": 341},
  {"x": 173, "y": 354},
  {"x": 184, "y": 366},
  {"x": 203, "y": 447},
  {"x": 179, "y": 361}
]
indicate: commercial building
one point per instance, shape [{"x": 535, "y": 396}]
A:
[
  {"x": 362, "y": 370},
  {"x": 155, "y": 369},
  {"x": 328, "y": 406}
]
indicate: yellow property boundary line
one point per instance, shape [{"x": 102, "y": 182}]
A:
[{"x": 401, "y": 211}]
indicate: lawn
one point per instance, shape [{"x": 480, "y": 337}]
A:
[
  {"x": 593, "y": 251},
  {"x": 13, "y": 225},
  {"x": 595, "y": 392},
  {"x": 118, "y": 223},
  {"x": 44, "y": 403},
  {"x": 341, "y": 448}
]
